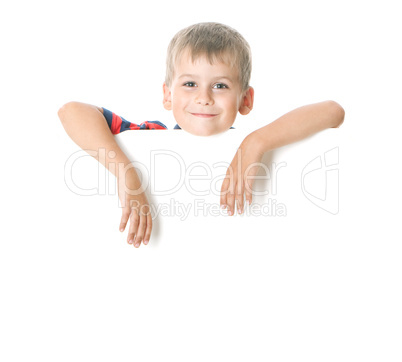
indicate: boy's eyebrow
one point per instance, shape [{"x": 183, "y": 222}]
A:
[{"x": 194, "y": 76}]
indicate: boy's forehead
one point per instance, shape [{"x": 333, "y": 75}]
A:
[
  {"x": 188, "y": 60},
  {"x": 187, "y": 56}
]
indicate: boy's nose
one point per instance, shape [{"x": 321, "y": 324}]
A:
[{"x": 204, "y": 98}]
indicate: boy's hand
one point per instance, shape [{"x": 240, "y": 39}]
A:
[
  {"x": 135, "y": 208},
  {"x": 239, "y": 176}
]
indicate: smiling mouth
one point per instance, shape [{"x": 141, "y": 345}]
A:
[{"x": 204, "y": 115}]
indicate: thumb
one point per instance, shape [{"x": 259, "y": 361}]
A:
[{"x": 124, "y": 219}]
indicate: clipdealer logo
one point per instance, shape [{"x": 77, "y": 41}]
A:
[
  {"x": 319, "y": 180},
  {"x": 322, "y": 173}
]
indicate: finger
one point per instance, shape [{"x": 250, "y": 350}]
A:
[
  {"x": 249, "y": 197},
  {"x": 140, "y": 231},
  {"x": 124, "y": 219},
  {"x": 224, "y": 192},
  {"x": 231, "y": 200},
  {"x": 239, "y": 196},
  {"x": 134, "y": 221},
  {"x": 148, "y": 230},
  {"x": 248, "y": 184},
  {"x": 227, "y": 183}
]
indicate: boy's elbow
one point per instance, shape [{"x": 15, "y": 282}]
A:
[
  {"x": 65, "y": 110},
  {"x": 337, "y": 113}
]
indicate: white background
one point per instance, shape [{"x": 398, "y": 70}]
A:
[{"x": 72, "y": 289}]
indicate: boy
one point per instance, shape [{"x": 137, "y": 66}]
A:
[{"x": 207, "y": 83}]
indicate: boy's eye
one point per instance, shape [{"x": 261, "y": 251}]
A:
[
  {"x": 216, "y": 86},
  {"x": 220, "y": 86}
]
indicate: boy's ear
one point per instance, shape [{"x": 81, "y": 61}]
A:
[
  {"x": 247, "y": 102},
  {"x": 167, "y": 97}
]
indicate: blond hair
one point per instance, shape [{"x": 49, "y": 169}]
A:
[{"x": 217, "y": 42}]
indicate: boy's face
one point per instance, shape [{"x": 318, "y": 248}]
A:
[{"x": 204, "y": 97}]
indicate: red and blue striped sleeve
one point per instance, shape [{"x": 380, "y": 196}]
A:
[{"x": 118, "y": 124}]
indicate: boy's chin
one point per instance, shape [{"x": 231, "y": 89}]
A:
[{"x": 202, "y": 132}]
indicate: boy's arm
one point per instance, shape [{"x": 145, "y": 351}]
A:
[
  {"x": 291, "y": 127},
  {"x": 299, "y": 124},
  {"x": 87, "y": 127}
]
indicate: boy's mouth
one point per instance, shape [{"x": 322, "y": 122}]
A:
[{"x": 204, "y": 115}]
